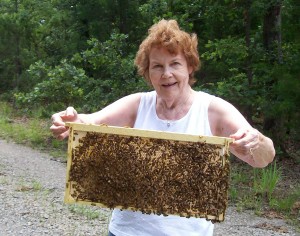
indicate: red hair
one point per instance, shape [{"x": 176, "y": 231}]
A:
[{"x": 167, "y": 34}]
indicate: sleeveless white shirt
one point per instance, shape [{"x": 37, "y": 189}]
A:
[{"x": 129, "y": 223}]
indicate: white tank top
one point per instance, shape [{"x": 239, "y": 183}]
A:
[{"x": 129, "y": 223}]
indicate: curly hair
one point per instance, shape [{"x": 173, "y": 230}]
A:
[{"x": 167, "y": 34}]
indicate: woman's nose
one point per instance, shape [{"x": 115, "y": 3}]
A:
[{"x": 167, "y": 72}]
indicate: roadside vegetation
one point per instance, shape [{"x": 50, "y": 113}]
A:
[
  {"x": 31, "y": 130},
  {"x": 271, "y": 192}
]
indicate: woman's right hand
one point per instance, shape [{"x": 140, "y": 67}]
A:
[{"x": 58, "y": 128}]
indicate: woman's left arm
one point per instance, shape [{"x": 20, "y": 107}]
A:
[{"x": 249, "y": 144}]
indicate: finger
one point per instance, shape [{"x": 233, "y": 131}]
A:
[
  {"x": 246, "y": 141},
  {"x": 59, "y": 132},
  {"x": 249, "y": 142},
  {"x": 239, "y": 134},
  {"x": 70, "y": 113},
  {"x": 57, "y": 118},
  {"x": 63, "y": 135},
  {"x": 58, "y": 129},
  {"x": 58, "y": 122}
]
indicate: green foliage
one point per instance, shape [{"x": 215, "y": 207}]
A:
[
  {"x": 261, "y": 189},
  {"x": 59, "y": 53},
  {"x": 225, "y": 61},
  {"x": 31, "y": 31},
  {"x": 238, "y": 180},
  {"x": 86, "y": 211},
  {"x": 266, "y": 180},
  {"x": 230, "y": 51},
  {"x": 90, "y": 80},
  {"x": 61, "y": 87},
  {"x": 6, "y": 111},
  {"x": 33, "y": 132},
  {"x": 112, "y": 71},
  {"x": 153, "y": 11},
  {"x": 36, "y": 185},
  {"x": 286, "y": 204},
  {"x": 287, "y": 90}
]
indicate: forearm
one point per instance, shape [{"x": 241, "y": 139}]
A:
[{"x": 86, "y": 118}]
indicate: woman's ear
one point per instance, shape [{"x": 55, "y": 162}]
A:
[
  {"x": 190, "y": 70},
  {"x": 147, "y": 79}
]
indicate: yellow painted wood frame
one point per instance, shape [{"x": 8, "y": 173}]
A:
[{"x": 79, "y": 131}]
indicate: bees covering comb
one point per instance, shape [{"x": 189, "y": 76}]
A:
[{"x": 148, "y": 171}]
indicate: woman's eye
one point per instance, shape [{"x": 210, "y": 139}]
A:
[{"x": 156, "y": 66}]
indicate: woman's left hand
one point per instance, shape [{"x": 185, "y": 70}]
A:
[
  {"x": 246, "y": 140},
  {"x": 252, "y": 147}
]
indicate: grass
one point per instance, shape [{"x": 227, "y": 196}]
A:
[
  {"x": 266, "y": 180},
  {"x": 36, "y": 185},
  {"x": 259, "y": 190},
  {"x": 33, "y": 131},
  {"x": 286, "y": 204},
  {"x": 3, "y": 180},
  {"x": 23, "y": 186},
  {"x": 83, "y": 210}
]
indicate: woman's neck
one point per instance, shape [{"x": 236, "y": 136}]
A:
[{"x": 174, "y": 109}]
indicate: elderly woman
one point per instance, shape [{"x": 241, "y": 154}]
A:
[{"x": 167, "y": 59}]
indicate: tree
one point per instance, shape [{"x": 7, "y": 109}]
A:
[
  {"x": 249, "y": 52},
  {"x": 31, "y": 30}
]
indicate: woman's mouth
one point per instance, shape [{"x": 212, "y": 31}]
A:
[{"x": 169, "y": 85}]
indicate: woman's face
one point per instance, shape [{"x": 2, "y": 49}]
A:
[{"x": 168, "y": 73}]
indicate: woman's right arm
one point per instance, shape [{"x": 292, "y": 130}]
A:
[{"x": 120, "y": 113}]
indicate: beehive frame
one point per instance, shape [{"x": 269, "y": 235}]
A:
[{"x": 148, "y": 171}]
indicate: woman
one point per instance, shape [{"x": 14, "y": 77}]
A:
[{"x": 167, "y": 59}]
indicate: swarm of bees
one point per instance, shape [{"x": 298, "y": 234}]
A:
[{"x": 150, "y": 175}]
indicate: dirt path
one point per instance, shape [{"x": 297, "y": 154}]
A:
[{"x": 31, "y": 202}]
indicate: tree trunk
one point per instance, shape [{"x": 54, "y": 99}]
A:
[
  {"x": 123, "y": 16},
  {"x": 272, "y": 31},
  {"x": 247, "y": 22},
  {"x": 248, "y": 63},
  {"x": 17, "y": 60},
  {"x": 272, "y": 45}
]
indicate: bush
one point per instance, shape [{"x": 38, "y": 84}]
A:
[
  {"x": 61, "y": 87},
  {"x": 89, "y": 81}
]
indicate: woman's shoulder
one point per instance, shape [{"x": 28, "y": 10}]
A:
[
  {"x": 204, "y": 98},
  {"x": 133, "y": 101},
  {"x": 149, "y": 93},
  {"x": 204, "y": 94},
  {"x": 148, "y": 96}
]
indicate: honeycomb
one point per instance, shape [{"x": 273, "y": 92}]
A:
[{"x": 148, "y": 174}]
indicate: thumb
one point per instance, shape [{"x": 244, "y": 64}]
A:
[
  {"x": 238, "y": 134},
  {"x": 70, "y": 114}
]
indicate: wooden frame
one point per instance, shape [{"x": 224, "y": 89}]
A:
[{"x": 159, "y": 172}]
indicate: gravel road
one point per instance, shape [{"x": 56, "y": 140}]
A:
[{"x": 31, "y": 202}]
